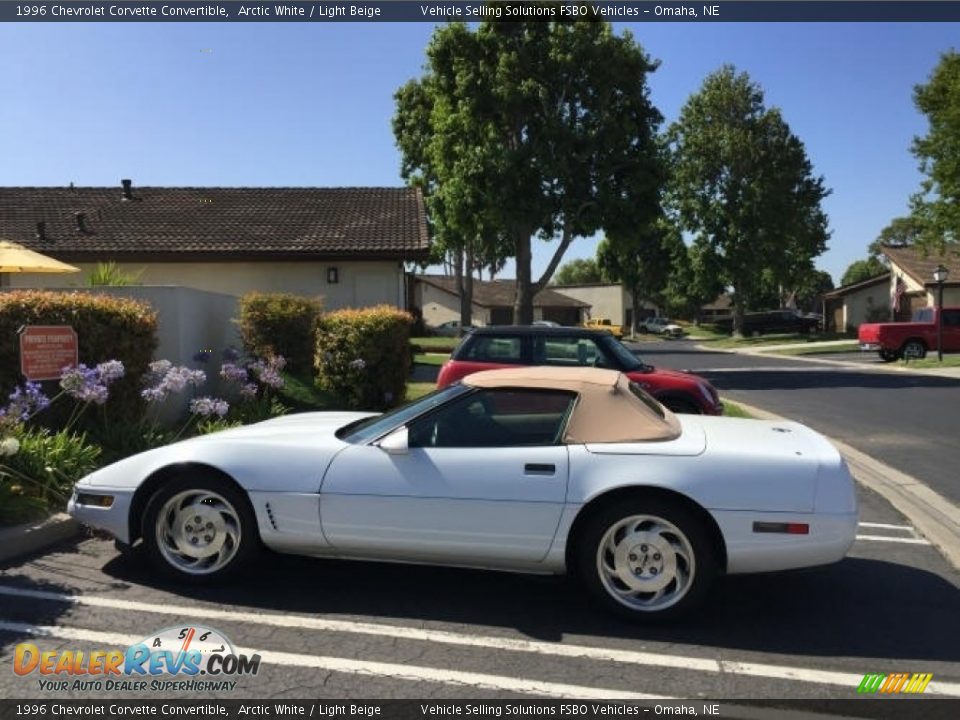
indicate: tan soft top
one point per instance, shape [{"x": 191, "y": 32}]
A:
[{"x": 607, "y": 410}]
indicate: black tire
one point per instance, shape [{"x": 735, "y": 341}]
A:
[
  {"x": 888, "y": 355},
  {"x": 913, "y": 350},
  {"x": 236, "y": 529},
  {"x": 681, "y": 406},
  {"x": 672, "y": 526}
]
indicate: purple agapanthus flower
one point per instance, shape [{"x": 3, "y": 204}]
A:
[
  {"x": 110, "y": 371},
  {"x": 358, "y": 364},
  {"x": 25, "y": 402},
  {"x": 207, "y": 406},
  {"x": 268, "y": 371},
  {"x": 234, "y": 373},
  {"x": 165, "y": 379},
  {"x": 249, "y": 390}
]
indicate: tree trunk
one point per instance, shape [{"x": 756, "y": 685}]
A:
[
  {"x": 523, "y": 299},
  {"x": 738, "y": 313},
  {"x": 635, "y": 312},
  {"x": 466, "y": 291}
]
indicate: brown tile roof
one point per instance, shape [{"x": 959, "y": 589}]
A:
[
  {"x": 500, "y": 293},
  {"x": 170, "y": 224},
  {"x": 920, "y": 268},
  {"x": 854, "y": 287}
]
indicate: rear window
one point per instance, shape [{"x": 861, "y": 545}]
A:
[{"x": 923, "y": 315}]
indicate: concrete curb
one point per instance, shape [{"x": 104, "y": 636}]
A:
[
  {"x": 933, "y": 515},
  {"x": 29, "y": 538}
]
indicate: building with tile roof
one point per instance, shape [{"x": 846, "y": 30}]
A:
[
  {"x": 345, "y": 244},
  {"x": 439, "y": 300}
]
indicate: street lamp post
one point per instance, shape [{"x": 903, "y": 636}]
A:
[{"x": 940, "y": 276}]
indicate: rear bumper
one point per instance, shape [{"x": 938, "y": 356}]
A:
[
  {"x": 830, "y": 537},
  {"x": 871, "y": 347}
]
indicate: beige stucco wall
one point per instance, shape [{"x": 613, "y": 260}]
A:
[
  {"x": 606, "y": 301},
  {"x": 439, "y": 306},
  {"x": 857, "y": 305},
  {"x": 361, "y": 284},
  {"x": 951, "y": 295}
]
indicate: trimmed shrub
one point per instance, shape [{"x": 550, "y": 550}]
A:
[
  {"x": 363, "y": 357},
  {"x": 280, "y": 324},
  {"x": 108, "y": 328}
]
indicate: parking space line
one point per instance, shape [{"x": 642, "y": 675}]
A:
[
  {"x": 888, "y": 538},
  {"x": 413, "y": 673},
  {"x": 886, "y": 526},
  {"x": 630, "y": 657}
]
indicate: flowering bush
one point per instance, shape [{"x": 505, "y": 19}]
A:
[
  {"x": 108, "y": 328},
  {"x": 280, "y": 324},
  {"x": 362, "y": 356}
]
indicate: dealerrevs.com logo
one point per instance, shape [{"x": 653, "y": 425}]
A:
[{"x": 188, "y": 658}]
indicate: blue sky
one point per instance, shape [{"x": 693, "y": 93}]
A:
[{"x": 310, "y": 104}]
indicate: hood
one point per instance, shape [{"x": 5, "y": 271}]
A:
[{"x": 314, "y": 423}]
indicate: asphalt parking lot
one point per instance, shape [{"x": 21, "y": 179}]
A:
[{"x": 329, "y": 629}]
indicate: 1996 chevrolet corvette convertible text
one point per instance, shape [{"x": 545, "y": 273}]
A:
[{"x": 531, "y": 469}]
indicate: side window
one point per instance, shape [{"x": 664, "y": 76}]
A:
[
  {"x": 951, "y": 318},
  {"x": 495, "y": 418},
  {"x": 488, "y": 348},
  {"x": 569, "y": 352}
]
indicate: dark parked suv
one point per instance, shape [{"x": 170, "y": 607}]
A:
[
  {"x": 506, "y": 346},
  {"x": 772, "y": 321}
]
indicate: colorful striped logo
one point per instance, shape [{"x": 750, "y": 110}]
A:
[{"x": 894, "y": 683}]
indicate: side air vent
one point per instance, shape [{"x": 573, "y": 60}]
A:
[{"x": 273, "y": 521}]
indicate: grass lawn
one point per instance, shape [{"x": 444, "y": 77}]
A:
[
  {"x": 733, "y": 410},
  {"x": 845, "y": 348},
  {"x": 431, "y": 358},
  {"x": 723, "y": 340},
  {"x": 930, "y": 361},
  {"x": 419, "y": 389},
  {"x": 436, "y": 344}
]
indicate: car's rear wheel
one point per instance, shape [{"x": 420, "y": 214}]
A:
[
  {"x": 647, "y": 559},
  {"x": 199, "y": 530},
  {"x": 913, "y": 350}
]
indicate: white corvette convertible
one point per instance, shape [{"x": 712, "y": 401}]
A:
[{"x": 532, "y": 469}]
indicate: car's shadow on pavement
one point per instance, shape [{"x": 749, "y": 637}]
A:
[{"x": 856, "y": 608}]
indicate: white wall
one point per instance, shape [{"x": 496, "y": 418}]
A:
[
  {"x": 361, "y": 284},
  {"x": 606, "y": 301},
  {"x": 439, "y": 306}
]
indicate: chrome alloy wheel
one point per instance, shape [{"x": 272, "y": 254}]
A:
[
  {"x": 198, "y": 531},
  {"x": 645, "y": 563}
]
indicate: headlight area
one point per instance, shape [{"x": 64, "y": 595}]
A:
[{"x": 93, "y": 499}]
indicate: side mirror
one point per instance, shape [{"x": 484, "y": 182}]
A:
[{"x": 397, "y": 442}]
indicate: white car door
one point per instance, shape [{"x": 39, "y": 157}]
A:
[{"x": 484, "y": 479}]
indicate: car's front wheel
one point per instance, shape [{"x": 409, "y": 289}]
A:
[
  {"x": 648, "y": 559},
  {"x": 681, "y": 406},
  {"x": 199, "y": 530}
]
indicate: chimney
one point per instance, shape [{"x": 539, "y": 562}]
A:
[
  {"x": 127, "y": 193},
  {"x": 41, "y": 231},
  {"x": 81, "y": 219}
]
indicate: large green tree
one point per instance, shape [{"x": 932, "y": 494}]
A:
[
  {"x": 861, "y": 270},
  {"x": 644, "y": 259},
  {"x": 577, "y": 272},
  {"x": 936, "y": 208},
  {"x": 534, "y": 129},
  {"x": 743, "y": 186}
]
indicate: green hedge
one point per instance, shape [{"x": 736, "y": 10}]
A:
[
  {"x": 108, "y": 328},
  {"x": 280, "y": 324},
  {"x": 363, "y": 356}
]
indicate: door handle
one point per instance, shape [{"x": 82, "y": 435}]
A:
[{"x": 539, "y": 469}]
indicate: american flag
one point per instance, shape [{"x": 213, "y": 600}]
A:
[{"x": 899, "y": 289}]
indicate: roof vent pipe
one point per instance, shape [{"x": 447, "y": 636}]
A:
[
  {"x": 41, "y": 231},
  {"x": 127, "y": 193},
  {"x": 81, "y": 219}
]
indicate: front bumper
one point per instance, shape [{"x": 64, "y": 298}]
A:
[{"x": 114, "y": 519}]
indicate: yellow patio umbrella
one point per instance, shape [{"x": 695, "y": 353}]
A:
[{"x": 15, "y": 258}]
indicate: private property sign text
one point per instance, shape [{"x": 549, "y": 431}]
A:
[{"x": 45, "y": 350}]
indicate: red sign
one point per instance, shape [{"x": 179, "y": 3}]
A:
[{"x": 45, "y": 350}]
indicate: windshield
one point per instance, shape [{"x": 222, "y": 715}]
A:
[
  {"x": 371, "y": 428},
  {"x": 628, "y": 361}
]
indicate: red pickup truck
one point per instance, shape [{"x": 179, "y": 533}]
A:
[{"x": 912, "y": 339}]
